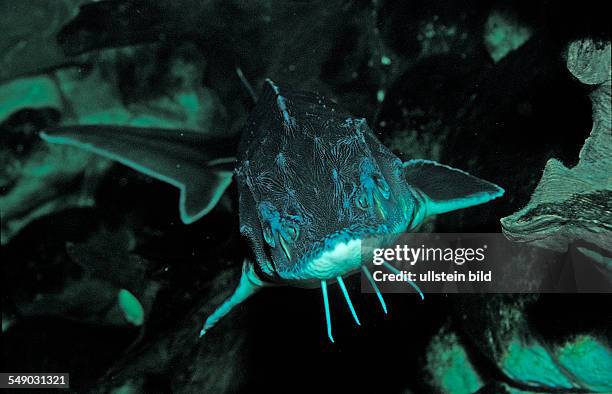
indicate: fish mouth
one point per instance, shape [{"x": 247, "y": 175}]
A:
[
  {"x": 337, "y": 255},
  {"x": 337, "y": 260}
]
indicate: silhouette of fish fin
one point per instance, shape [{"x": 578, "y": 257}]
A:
[
  {"x": 200, "y": 166},
  {"x": 448, "y": 189}
]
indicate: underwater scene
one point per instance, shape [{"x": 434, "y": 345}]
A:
[{"x": 224, "y": 196}]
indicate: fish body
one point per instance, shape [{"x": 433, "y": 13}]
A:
[{"x": 313, "y": 182}]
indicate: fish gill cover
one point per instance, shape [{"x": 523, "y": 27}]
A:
[{"x": 103, "y": 279}]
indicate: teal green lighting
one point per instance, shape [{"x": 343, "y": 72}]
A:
[
  {"x": 396, "y": 271},
  {"x": 348, "y": 300},
  {"x": 225, "y": 178},
  {"x": 327, "y": 314},
  {"x": 450, "y": 366},
  {"x": 131, "y": 307},
  {"x": 373, "y": 283}
]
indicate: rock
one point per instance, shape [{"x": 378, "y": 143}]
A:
[
  {"x": 28, "y": 43},
  {"x": 213, "y": 361},
  {"x": 47, "y": 179},
  {"x": 504, "y": 33},
  {"x": 449, "y": 366},
  {"x": 575, "y": 204},
  {"x": 508, "y": 342}
]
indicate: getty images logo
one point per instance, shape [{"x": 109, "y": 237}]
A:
[{"x": 405, "y": 253}]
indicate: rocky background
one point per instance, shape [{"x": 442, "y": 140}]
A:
[{"x": 100, "y": 278}]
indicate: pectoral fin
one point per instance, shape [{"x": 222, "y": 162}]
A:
[
  {"x": 447, "y": 189},
  {"x": 198, "y": 165},
  {"x": 249, "y": 284}
]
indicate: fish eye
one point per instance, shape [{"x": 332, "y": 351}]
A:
[
  {"x": 362, "y": 201},
  {"x": 380, "y": 209},
  {"x": 382, "y": 185},
  {"x": 293, "y": 231},
  {"x": 267, "y": 233},
  {"x": 285, "y": 247}
]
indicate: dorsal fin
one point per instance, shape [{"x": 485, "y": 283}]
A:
[
  {"x": 282, "y": 106},
  {"x": 282, "y": 109}
]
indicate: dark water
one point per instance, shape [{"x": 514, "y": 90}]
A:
[{"x": 480, "y": 86}]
